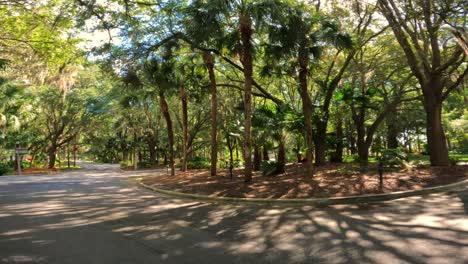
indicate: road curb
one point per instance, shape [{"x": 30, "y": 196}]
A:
[{"x": 361, "y": 199}]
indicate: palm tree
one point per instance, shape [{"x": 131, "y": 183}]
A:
[
  {"x": 205, "y": 31},
  {"x": 161, "y": 74},
  {"x": 244, "y": 13},
  {"x": 298, "y": 38}
]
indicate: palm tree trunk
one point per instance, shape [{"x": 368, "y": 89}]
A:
[
  {"x": 281, "y": 157},
  {"x": 306, "y": 109},
  {"x": 170, "y": 132},
  {"x": 209, "y": 63},
  {"x": 257, "y": 158},
  {"x": 245, "y": 24},
  {"x": 183, "y": 97},
  {"x": 320, "y": 141}
]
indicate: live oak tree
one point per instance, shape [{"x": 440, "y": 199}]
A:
[{"x": 438, "y": 63}]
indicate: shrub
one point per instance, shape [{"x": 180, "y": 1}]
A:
[
  {"x": 268, "y": 167},
  {"x": 5, "y": 167},
  {"x": 198, "y": 163},
  {"x": 125, "y": 163},
  {"x": 453, "y": 161},
  {"x": 392, "y": 157},
  {"x": 144, "y": 164}
]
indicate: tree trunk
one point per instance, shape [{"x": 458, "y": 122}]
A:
[
  {"x": 363, "y": 152},
  {"x": 351, "y": 140},
  {"x": 245, "y": 24},
  {"x": 152, "y": 151},
  {"x": 281, "y": 157},
  {"x": 183, "y": 97},
  {"x": 265, "y": 153},
  {"x": 320, "y": 141},
  {"x": 231, "y": 159},
  {"x": 75, "y": 149},
  {"x": 68, "y": 155},
  {"x": 257, "y": 158},
  {"x": 306, "y": 109},
  {"x": 392, "y": 132},
  {"x": 209, "y": 63},
  {"x": 338, "y": 155},
  {"x": 51, "y": 152},
  {"x": 170, "y": 132},
  {"x": 438, "y": 152}
]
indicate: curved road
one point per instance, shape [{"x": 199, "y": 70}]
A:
[{"x": 99, "y": 215}]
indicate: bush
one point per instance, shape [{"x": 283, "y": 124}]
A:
[
  {"x": 393, "y": 157},
  {"x": 125, "y": 163},
  {"x": 198, "y": 163},
  {"x": 144, "y": 164},
  {"x": 453, "y": 161},
  {"x": 268, "y": 167},
  {"x": 5, "y": 167},
  {"x": 25, "y": 164}
]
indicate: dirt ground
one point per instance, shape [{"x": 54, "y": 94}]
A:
[
  {"x": 132, "y": 168},
  {"x": 330, "y": 180}
]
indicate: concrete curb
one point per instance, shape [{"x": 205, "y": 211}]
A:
[{"x": 361, "y": 199}]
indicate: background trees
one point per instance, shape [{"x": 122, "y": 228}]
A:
[{"x": 226, "y": 82}]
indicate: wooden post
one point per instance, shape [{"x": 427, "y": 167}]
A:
[{"x": 380, "y": 169}]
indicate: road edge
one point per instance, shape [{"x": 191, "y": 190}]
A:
[{"x": 360, "y": 199}]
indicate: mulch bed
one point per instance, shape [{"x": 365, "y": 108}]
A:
[{"x": 330, "y": 180}]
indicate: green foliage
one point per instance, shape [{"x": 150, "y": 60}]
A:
[
  {"x": 144, "y": 164},
  {"x": 125, "y": 163},
  {"x": 453, "y": 161},
  {"x": 6, "y": 167},
  {"x": 393, "y": 157},
  {"x": 198, "y": 162},
  {"x": 268, "y": 167}
]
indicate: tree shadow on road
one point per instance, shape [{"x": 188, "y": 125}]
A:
[{"x": 115, "y": 219}]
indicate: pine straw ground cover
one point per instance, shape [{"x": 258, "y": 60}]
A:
[{"x": 331, "y": 180}]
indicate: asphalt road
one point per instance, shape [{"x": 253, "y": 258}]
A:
[{"x": 98, "y": 215}]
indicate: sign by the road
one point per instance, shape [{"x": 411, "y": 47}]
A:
[{"x": 21, "y": 151}]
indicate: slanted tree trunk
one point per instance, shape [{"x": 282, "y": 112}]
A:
[
  {"x": 183, "y": 97},
  {"x": 306, "y": 107},
  {"x": 257, "y": 158},
  {"x": 170, "y": 132},
  {"x": 209, "y": 63},
  {"x": 245, "y": 25}
]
